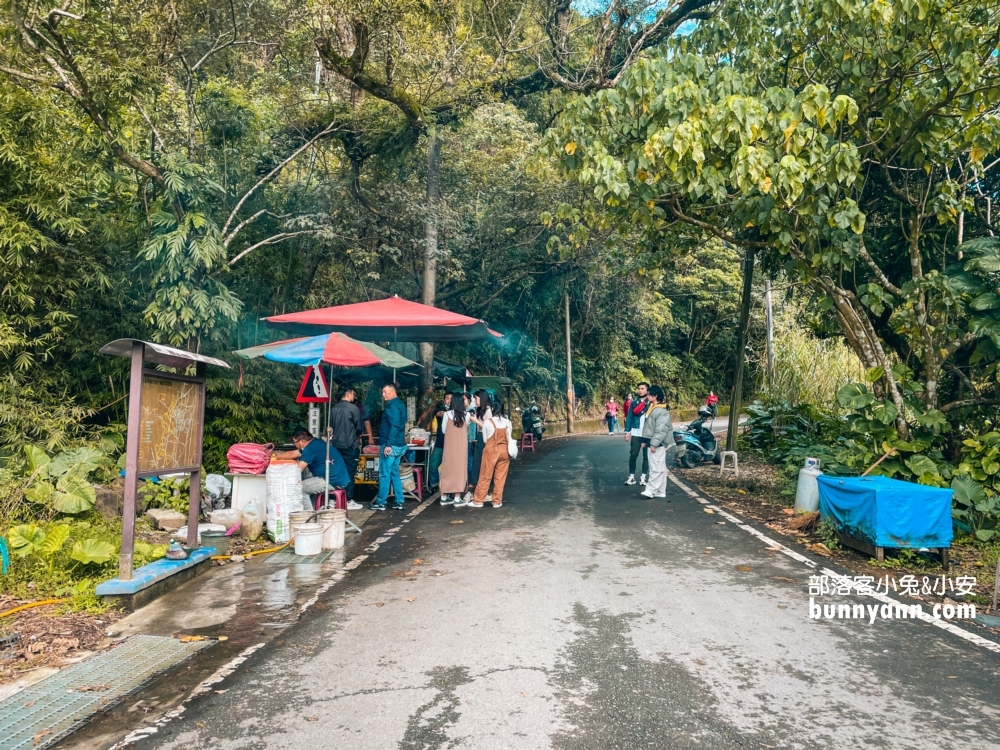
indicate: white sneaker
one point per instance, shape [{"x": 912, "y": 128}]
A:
[
  {"x": 646, "y": 493},
  {"x": 631, "y": 479},
  {"x": 642, "y": 479},
  {"x": 489, "y": 498},
  {"x": 461, "y": 502},
  {"x": 351, "y": 505},
  {"x": 467, "y": 498}
]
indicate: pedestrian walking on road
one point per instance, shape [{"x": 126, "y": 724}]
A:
[
  {"x": 635, "y": 418},
  {"x": 392, "y": 440},
  {"x": 455, "y": 461},
  {"x": 657, "y": 433},
  {"x": 611, "y": 415},
  {"x": 497, "y": 431}
]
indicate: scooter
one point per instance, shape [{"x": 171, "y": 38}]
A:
[
  {"x": 531, "y": 421},
  {"x": 697, "y": 443}
]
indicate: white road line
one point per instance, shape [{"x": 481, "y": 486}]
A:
[{"x": 950, "y": 627}]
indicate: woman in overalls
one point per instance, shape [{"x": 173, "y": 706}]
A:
[{"x": 497, "y": 431}]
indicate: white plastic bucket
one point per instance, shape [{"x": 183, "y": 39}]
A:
[
  {"x": 308, "y": 539},
  {"x": 297, "y": 518},
  {"x": 333, "y": 522}
]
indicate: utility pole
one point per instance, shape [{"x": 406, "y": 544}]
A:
[
  {"x": 430, "y": 261},
  {"x": 769, "y": 325},
  {"x": 741, "y": 347},
  {"x": 570, "y": 393}
]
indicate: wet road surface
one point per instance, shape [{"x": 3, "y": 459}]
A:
[{"x": 582, "y": 616}]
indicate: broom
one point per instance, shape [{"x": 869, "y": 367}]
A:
[{"x": 805, "y": 522}]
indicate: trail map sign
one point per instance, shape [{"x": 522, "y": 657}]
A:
[
  {"x": 169, "y": 428},
  {"x": 166, "y": 412}
]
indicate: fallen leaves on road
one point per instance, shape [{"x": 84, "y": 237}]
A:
[
  {"x": 191, "y": 638},
  {"x": 454, "y": 522},
  {"x": 708, "y": 510},
  {"x": 379, "y": 604},
  {"x": 90, "y": 689},
  {"x": 407, "y": 574},
  {"x": 741, "y": 491},
  {"x": 820, "y": 549},
  {"x": 411, "y": 599},
  {"x": 223, "y": 638},
  {"x": 788, "y": 511},
  {"x": 312, "y": 718},
  {"x": 782, "y": 578},
  {"x": 418, "y": 561},
  {"x": 744, "y": 568},
  {"x": 720, "y": 523},
  {"x": 37, "y": 739}
]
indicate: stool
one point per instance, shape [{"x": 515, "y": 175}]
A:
[
  {"x": 528, "y": 442},
  {"x": 339, "y": 497},
  {"x": 418, "y": 477},
  {"x": 735, "y": 468}
]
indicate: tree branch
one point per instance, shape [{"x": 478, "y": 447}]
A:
[
  {"x": 280, "y": 237},
  {"x": 270, "y": 176}
]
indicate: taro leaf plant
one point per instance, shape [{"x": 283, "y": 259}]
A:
[
  {"x": 975, "y": 508},
  {"x": 62, "y": 482},
  {"x": 30, "y": 539}
]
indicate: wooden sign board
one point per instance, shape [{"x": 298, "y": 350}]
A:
[{"x": 170, "y": 423}]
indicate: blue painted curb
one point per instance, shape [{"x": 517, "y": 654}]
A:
[{"x": 147, "y": 575}]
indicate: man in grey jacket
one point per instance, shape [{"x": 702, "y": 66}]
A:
[{"x": 658, "y": 432}]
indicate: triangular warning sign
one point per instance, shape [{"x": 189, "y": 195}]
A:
[{"x": 314, "y": 388}]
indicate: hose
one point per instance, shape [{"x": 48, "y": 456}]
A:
[
  {"x": 31, "y": 605},
  {"x": 251, "y": 554}
]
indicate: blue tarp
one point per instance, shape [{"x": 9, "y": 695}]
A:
[{"x": 887, "y": 512}]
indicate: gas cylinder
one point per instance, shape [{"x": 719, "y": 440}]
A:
[{"x": 807, "y": 491}]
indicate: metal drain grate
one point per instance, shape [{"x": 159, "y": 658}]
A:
[
  {"x": 44, "y": 713},
  {"x": 287, "y": 556}
]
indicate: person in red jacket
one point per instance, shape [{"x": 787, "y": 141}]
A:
[{"x": 712, "y": 402}]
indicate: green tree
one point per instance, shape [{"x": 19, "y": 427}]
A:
[{"x": 848, "y": 138}]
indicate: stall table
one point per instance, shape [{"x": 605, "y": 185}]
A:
[{"x": 872, "y": 513}]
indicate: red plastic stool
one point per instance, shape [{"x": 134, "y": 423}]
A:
[
  {"x": 418, "y": 477},
  {"x": 528, "y": 442},
  {"x": 339, "y": 497}
]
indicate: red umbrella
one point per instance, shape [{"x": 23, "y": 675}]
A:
[{"x": 391, "y": 319}]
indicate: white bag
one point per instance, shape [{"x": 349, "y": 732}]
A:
[
  {"x": 284, "y": 495},
  {"x": 511, "y": 442}
]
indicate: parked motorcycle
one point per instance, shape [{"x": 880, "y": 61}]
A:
[
  {"x": 697, "y": 443},
  {"x": 531, "y": 421}
]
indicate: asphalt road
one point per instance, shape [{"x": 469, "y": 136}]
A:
[{"x": 581, "y": 616}]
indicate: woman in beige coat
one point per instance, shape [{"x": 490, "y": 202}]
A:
[{"x": 454, "y": 470}]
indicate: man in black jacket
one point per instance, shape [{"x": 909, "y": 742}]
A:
[{"x": 346, "y": 426}]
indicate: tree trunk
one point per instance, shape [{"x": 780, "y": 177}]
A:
[
  {"x": 430, "y": 261},
  {"x": 741, "y": 354},
  {"x": 570, "y": 391}
]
